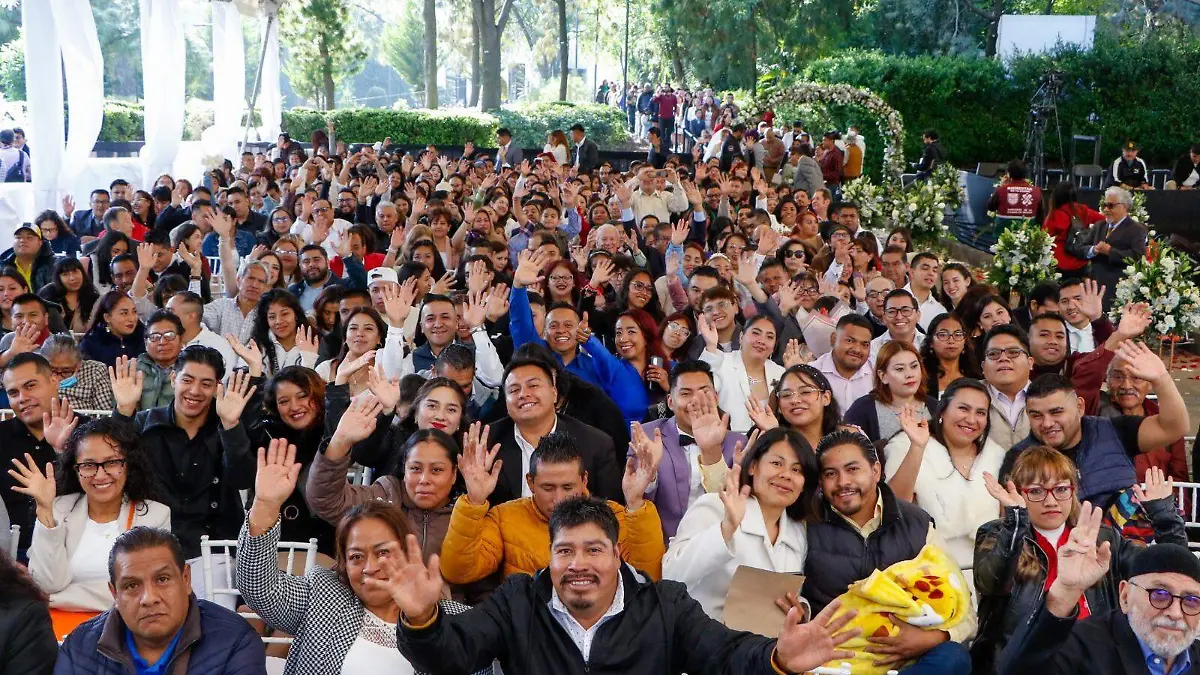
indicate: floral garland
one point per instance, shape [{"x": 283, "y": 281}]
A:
[
  {"x": 891, "y": 125},
  {"x": 1024, "y": 257}
]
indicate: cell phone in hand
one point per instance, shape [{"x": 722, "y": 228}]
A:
[{"x": 656, "y": 361}]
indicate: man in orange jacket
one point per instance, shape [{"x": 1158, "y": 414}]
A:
[{"x": 516, "y": 534}]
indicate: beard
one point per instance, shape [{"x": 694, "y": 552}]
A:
[{"x": 1143, "y": 624}]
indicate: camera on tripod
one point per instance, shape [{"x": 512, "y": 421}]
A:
[{"x": 1053, "y": 77}]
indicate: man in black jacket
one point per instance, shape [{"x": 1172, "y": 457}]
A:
[
  {"x": 1155, "y": 630},
  {"x": 1186, "y": 174},
  {"x": 197, "y": 445},
  {"x": 653, "y": 627},
  {"x": 931, "y": 156},
  {"x": 587, "y": 153}
]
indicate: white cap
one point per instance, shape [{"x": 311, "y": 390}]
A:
[{"x": 381, "y": 274}]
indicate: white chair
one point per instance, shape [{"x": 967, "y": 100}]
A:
[
  {"x": 1187, "y": 500},
  {"x": 222, "y": 553},
  {"x": 96, "y": 413},
  {"x": 360, "y": 475},
  {"x": 14, "y": 539},
  {"x": 7, "y": 414}
]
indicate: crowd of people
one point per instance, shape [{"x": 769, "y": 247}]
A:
[{"x": 587, "y": 397}]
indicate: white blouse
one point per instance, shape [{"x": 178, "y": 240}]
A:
[
  {"x": 733, "y": 385},
  {"x": 367, "y": 655},
  {"x": 89, "y": 563}
]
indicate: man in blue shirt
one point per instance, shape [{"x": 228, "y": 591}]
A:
[{"x": 157, "y": 626}]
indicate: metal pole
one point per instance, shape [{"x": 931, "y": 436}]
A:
[
  {"x": 625, "y": 61},
  {"x": 262, "y": 58},
  {"x": 596, "y": 52}
]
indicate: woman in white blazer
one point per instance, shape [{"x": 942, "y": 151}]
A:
[
  {"x": 103, "y": 485},
  {"x": 744, "y": 374},
  {"x": 942, "y": 471},
  {"x": 757, "y": 520}
]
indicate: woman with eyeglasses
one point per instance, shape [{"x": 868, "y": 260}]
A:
[
  {"x": 103, "y": 485},
  {"x": 143, "y": 209},
  {"x": 945, "y": 355},
  {"x": 280, "y": 226},
  {"x": 802, "y": 400},
  {"x": 562, "y": 282},
  {"x": 676, "y": 335},
  {"x": 287, "y": 249},
  {"x": 1016, "y": 556},
  {"x": 1064, "y": 208},
  {"x": 864, "y": 254},
  {"x": 899, "y": 386},
  {"x": 939, "y": 465},
  {"x": 56, "y": 231}
]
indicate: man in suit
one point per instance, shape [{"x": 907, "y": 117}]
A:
[
  {"x": 89, "y": 223},
  {"x": 587, "y": 154},
  {"x": 697, "y": 446},
  {"x": 1155, "y": 630},
  {"x": 507, "y": 155},
  {"x": 531, "y": 394},
  {"x": 1117, "y": 244}
]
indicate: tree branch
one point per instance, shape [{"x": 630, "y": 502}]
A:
[
  {"x": 504, "y": 12},
  {"x": 991, "y": 18}
]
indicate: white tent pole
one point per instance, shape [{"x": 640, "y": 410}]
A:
[{"x": 262, "y": 58}]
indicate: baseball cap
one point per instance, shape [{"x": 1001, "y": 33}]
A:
[
  {"x": 33, "y": 229},
  {"x": 1130, "y": 145},
  {"x": 381, "y": 274}
]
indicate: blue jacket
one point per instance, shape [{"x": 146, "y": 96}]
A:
[
  {"x": 213, "y": 641},
  {"x": 520, "y": 321},
  {"x": 620, "y": 380},
  {"x": 101, "y": 345},
  {"x": 243, "y": 241}
]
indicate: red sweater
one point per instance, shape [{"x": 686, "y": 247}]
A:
[{"x": 1058, "y": 223}]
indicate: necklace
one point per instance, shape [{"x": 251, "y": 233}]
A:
[{"x": 754, "y": 380}]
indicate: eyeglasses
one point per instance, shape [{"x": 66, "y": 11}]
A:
[
  {"x": 947, "y": 336},
  {"x": 722, "y": 306},
  {"x": 168, "y": 336},
  {"x": 281, "y": 219},
  {"x": 1012, "y": 354},
  {"x": 561, "y": 278},
  {"x": 898, "y": 311},
  {"x": 323, "y": 209},
  {"x": 809, "y": 291},
  {"x": 640, "y": 286},
  {"x": 284, "y": 252},
  {"x": 1160, "y": 598},
  {"x": 679, "y": 328},
  {"x": 1105, "y": 206},
  {"x": 794, "y": 253},
  {"x": 875, "y": 295},
  {"x": 64, "y": 373},
  {"x": 89, "y": 469},
  {"x": 1038, "y": 494},
  {"x": 803, "y": 392},
  {"x": 1120, "y": 378}
]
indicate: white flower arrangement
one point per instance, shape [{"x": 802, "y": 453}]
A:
[
  {"x": 1165, "y": 280},
  {"x": 1138, "y": 211},
  {"x": 1023, "y": 258},
  {"x": 922, "y": 207},
  {"x": 871, "y": 200}
]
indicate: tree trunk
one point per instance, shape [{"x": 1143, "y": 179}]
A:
[
  {"x": 326, "y": 75},
  {"x": 473, "y": 95},
  {"x": 490, "y": 32},
  {"x": 431, "y": 90},
  {"x": 753, "y": 55},
  {"x": 564, "y": 50}
]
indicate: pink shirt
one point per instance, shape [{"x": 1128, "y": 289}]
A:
[{"x": 845, "y": 391}]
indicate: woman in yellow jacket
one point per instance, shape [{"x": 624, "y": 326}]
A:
[{"x": 515, "y": 535}]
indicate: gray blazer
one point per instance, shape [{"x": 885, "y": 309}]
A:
[
  {"x": 808, "y": 176},
  {"x": 321, "y": 612}
]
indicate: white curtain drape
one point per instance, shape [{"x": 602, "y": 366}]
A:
[
  {"x": 229, "y": 78},
  {"x": 270, "y": 97},
  {"x": 163, "y": 62},
  {"x": 61, "y": 42}
]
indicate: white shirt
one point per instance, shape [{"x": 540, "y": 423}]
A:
[
  {"x": 845, "y": 391},
  {"x": 527, "y": 452},
  {"x": 367, "y": 656},
  {"x": 208, "y": 338},
  {"x": 930, "y": 308},
  {"x": 582, "y": 637},
  {"x": 879, "y": 342},
  {"x": 733, "y": 385},
  {"x": 90, "y": 562},
  {"x": 1010, "y": 408},
  {"x": 1082, "y": 340}
]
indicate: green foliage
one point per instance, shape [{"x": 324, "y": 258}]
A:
[
  {"x": 12, "y": 70},
  {"x": 123, "y": 121},
  {"x": 530, "y": 123},
  {"x": 979, "y": 107},
  {"x": 403, "y": 46},
  {"x": 324, "y": 45}
]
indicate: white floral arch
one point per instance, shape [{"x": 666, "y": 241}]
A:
[{"x": 891, "y": 125}]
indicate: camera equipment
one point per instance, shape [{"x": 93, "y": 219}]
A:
[{"x": 1043, "y": 108}]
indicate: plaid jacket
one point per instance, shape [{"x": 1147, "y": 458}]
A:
[{"x": 93, "y": 391}]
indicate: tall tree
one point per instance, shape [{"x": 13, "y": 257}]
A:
[
  {"x": 324, "y": 46},
  {"x": 564, "y": 49},
  {"x": 403, "y": 46},
  {"x": 431, "y": 91},
  {"x": 491, "y": 29}
]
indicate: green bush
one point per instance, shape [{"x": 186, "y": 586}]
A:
[
  {"x": 530, "y": 123},
  {"x": 1144, "y": 90},
  {"x": 122, "y": 122},
  {"x": 12, "y": 70}
]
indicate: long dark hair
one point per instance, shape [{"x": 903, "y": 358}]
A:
[
  {"x": 830, "y": 418},
  {"x": 806, "y": 506},
  {"x": 107, "y": 302},
  {"x": 686, "y": 347},
  {"x": 56, "y": 291},
  {"x": 262, "y": 329},
  {"x": 15, "y": 581},
  {"x": 652, "y": 307},
  {"x": 140, "y": 482},
  {"x": 956, "y": 386},
  {"x": 64, "y": 230},
  {"x": 1064, "y": 193},
  {"x": 439, "y": 265},
  {"x": 379, "y": 324},
  {"x": 968, "y": 364},
  {"x": 104, "y": 254}
]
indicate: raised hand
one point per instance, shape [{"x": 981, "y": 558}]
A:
[
  {"x": 307, "y": 339},
  {"x": 249, "y": 353},
  {"x": 68, "y": 206},
  {"x": 192, "y": 258},
  {"x": 733, "y": 496},
  {"x": 707, "y": 331},
  {"x": 277, "y": 472},
  {"x": 642, "y": 443},
  {"x": 33, "y": 483},
  {"x": 529, "y": 269},
  {"x": 348, "y": 367},
  {"x": 641, "y": 467},
  {"x": 1142, "y": 362},
  {"x": 602, "y": 272},
  {"x": 385, "y": 389},
  {"x": 1092, "y": 304},
  {"x": 477, "y": 279},
  {"x": 58, "y": 424},
  {"x": 222, "y": 224},
  {"x": 1008, "y": 494},
  {"x": 25, "y": 339},
  {"x": 709, "y": 426},
  {"x": 126, "y": 381},
  {"x": 792, "y": 354},
  {"x": 916, "y": 428},
  {"x": 674, "y": 262},
  {"x": 232, "y": 400},
  {"x": 624, "y": 194},
  {"x": 762, "y": 416},
  {"x": 357, "y": 425},
  {"x": 479, "y": 467},
  {"x": 804, "y": 646},
  {"x": 256, "y": 253},
  {"x": 145, "y": 256},
  {"x": 1158, "y": 486},
  {"x": 1081, "y": 563},
  {"x": 579, "y": 256},
  {"x": 746, "y": 270},
  {"x": 343, "y": 248},
  {"x": 1135, "y": 319},
  {"x": 415, "y": 586},
  {"x": 474, "y": 310},
  {"x": 858, "y": 289},
  {"x": 397, "y": 238},
  {"x": 788, "y": 297},
  {"x": 497, "y": 304}
]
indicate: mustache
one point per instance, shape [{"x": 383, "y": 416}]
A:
[{"x": 1166, "y": 622}]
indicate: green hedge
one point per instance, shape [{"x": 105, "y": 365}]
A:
[
  {"x": 531, "y": 123},
  {"x": 1144, "y": 90}
]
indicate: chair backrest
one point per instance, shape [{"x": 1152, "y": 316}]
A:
[
  {"x": 214, "y": 264},
  {"x": 14, "y": 539},
  {"x": 990, "y": 169},
  {"x": 1187, "y": 500},
  {"x": 1088, "y": 175},
  {"x": 96, "y": 413},
  {"x": 360, "y": 475},
  {"x": 222, "y": 553},
  {"x": 1159, "y": 177}
]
